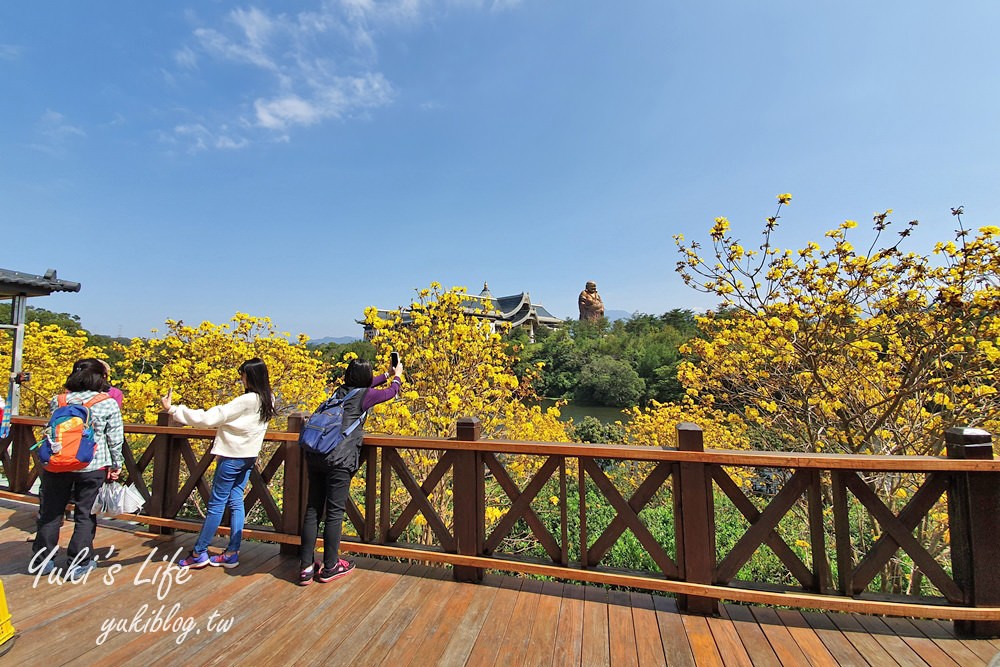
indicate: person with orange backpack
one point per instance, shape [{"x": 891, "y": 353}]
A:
[{"x": 82, "y": 449}]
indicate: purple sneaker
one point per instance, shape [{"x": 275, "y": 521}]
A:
[
  {"x": 222, "y": 560},
  {"x": 307, "y": 574},
  {"x": 194, "y": 561}
]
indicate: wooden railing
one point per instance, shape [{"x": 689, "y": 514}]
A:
[{"x": 689, "y": 482}]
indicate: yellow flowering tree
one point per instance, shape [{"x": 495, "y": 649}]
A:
[
  {"x": 844, "y": 351},
  {"x": 49, "y": 353},
  {"x": 456, "y": 365},
  {"x": 828, "y": 349},
  {"x": 200, "y": 362}
]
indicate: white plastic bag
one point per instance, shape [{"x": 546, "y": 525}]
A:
[
  {"x": 132, "y": 500},
  {"x": 115, "y": 498}
]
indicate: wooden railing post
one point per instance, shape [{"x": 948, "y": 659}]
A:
[
  {"x": 974, "y": 522},
  {"x": 22, "y": 437},
  {"x": 694, "y": 521},
  {"x": 166, "y": 474},
  {"x": 294, "y": 486},
  {"x": 468, "y": 500}
]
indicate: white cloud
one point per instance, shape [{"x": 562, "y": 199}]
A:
[
  {"x": 10, "y": 52},
  {"x": 186, "y": 58},
  {"x": 504, "y": 5},
  {"x": 55, "y": 133},
  {"x": 311, "y": 67},
  {"x": 196, "y": 137},
  {"x": 334, "y": 99},
  {"x": 279, "y": 113}
]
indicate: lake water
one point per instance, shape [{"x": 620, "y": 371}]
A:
[{"x": 577, "y": 412}]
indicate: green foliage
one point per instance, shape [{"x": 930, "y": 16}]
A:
[
  {"x": 70, "y": 324},
  {"x": 332, "y": 353},
  {"x": 66, "y": 321},
  {"x": 608, "y": 381},
  {"x": 592, "y": 430},
  {"x": 648, "y": 344}
]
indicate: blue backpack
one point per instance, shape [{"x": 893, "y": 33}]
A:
[{"x": 324, "y": 429}]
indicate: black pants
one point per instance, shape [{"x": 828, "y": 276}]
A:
[
  {"x": 58, "y": 489},
  {"x": 328, "y": 485}
]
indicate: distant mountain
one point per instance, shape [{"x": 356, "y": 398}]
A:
[
  {"x": 613, "y": 315},
  {"x": 339, "y": 340}
]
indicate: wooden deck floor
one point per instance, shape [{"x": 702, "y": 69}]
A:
[{"x": 400, "y": 614}]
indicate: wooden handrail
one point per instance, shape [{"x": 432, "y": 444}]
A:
[
  {"x": 726, "y": 457},
  {"x": 970, "y": 476}
]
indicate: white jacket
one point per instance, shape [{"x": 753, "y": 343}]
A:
[{"x": 239, "y": 431}]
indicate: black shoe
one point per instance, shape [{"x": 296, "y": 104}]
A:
[{"x": 342, "y": 568}]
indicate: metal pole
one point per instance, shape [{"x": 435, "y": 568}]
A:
[{"x": 18, "y": 313}]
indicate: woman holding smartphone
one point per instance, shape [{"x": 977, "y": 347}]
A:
[
  {"x": 240, "y": 427},
  {"x": 330, "y": 474}
]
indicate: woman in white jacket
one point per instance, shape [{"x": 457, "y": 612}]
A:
[{"x": 241, "y": 425}]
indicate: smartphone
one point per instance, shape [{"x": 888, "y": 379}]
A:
[{"x": 393, "y": 360}]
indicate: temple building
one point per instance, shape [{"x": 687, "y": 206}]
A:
[{"x": 516, "y": 309}]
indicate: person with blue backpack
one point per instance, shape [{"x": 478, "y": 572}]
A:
[
  {"x": 82, "y": 449},
  {"x": 240, "y": 428},
  {"x": 332, "y": 442}
]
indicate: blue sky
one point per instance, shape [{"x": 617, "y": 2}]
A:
[{"x": 306, "y": 159}]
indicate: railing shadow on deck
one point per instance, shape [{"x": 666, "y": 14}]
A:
[{"x": 493, "y": 520}]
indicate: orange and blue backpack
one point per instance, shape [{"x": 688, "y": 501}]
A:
[{"x": 69, "y": 443}]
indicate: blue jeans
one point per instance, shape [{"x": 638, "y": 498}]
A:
[{"x": 230, "y": 481}]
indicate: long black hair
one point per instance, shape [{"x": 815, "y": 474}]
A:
[
  {"x": 259, "y": 382},
  {"x": 88, "y": 375},
  {"x": 358, "y": 374}
]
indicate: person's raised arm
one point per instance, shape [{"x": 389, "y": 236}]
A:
[{"x": 213, "y": 417}]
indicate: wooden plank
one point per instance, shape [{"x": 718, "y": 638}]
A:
[
  {"x": 484, "y": 652},
  {"x": 870, "y": 649},
  {"x": 621, "y": 630},
  {"x": 752, "y": 636},
  {"x": 307, "y": 619},
  {"x": 385, "y": 615},
  {"x": 676, "y": 647},
  {"x": 807, "y": 639},
  {"x": 406, "y": 605},
  {"x": 649, "y": 648},
  {"x": 130, "y": 648},
  {"x": 702, "y": 642},
  {"x": 595, "y": 651},
  {"x": 514, "y": 645},
  {"x": 952, "y": 647},
  {"x": 423, "y": 624},
  {"x": 121, "y": 648},
  {"x": 438, "y": 633},
  {"x": 981, "y": 648},
  {"x": 728, "y": 641},
  {"x": 777, "y": 634},
  {"x": 893, "y": 645},
  {"x": 53, "y": 619},
  {"x": 840, "y": 647},
  {"x": 541, "y": 644},
  {"x": 924, "y": 647},
  {"x": 467, "y": 627},
  {"x": 568, "y": 649},
  {"x": 36, "y": 601}
]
